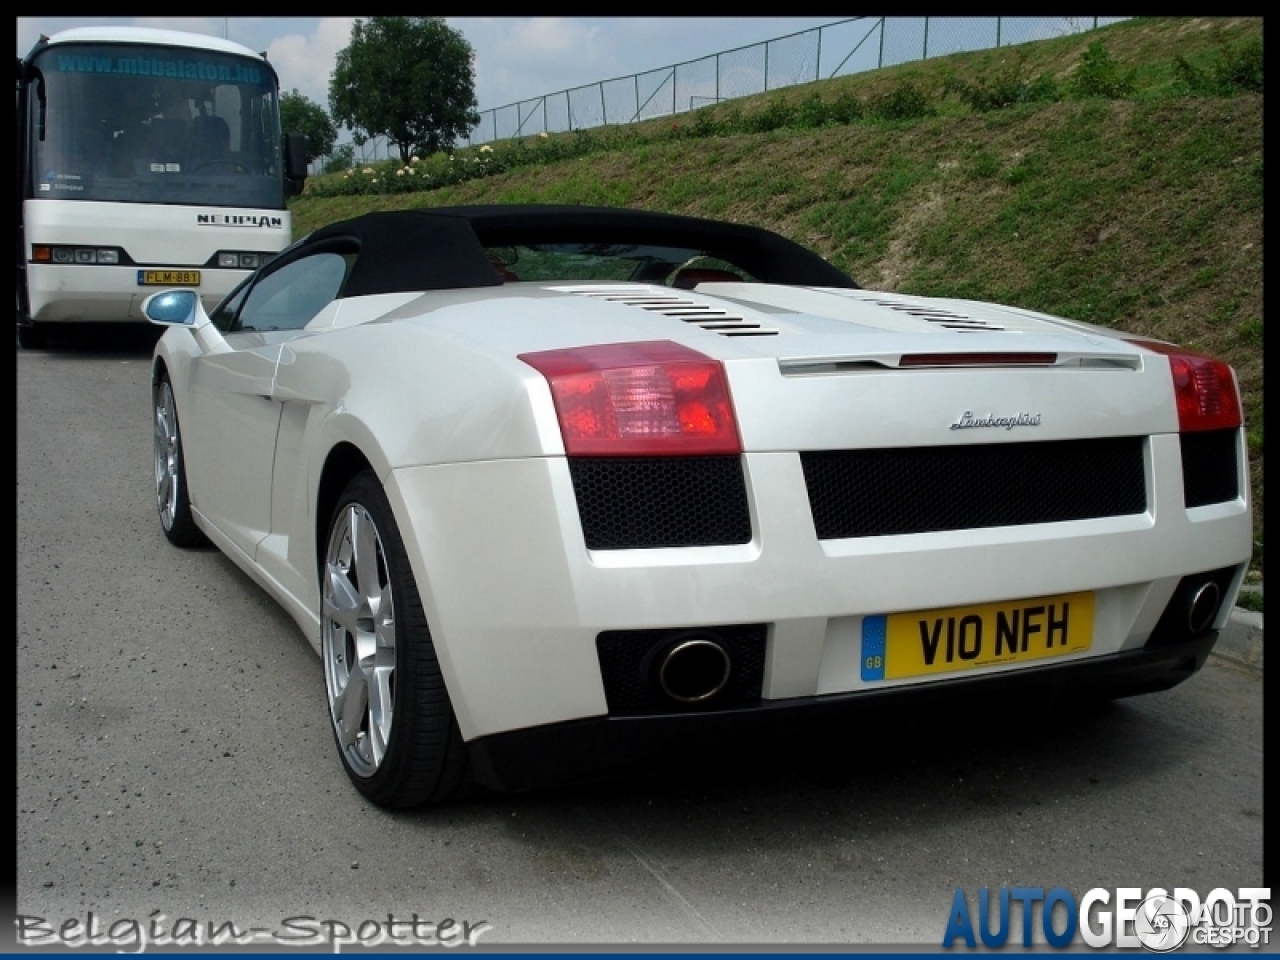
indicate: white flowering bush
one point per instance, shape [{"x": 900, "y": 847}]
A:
[{"x": 445, "y": 168}]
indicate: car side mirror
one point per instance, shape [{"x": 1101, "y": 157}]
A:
[
  {"x": 173, "y": 307},
  {"x": 182, "y": 308}
]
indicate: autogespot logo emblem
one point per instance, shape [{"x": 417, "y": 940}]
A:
[
  {"x": 1157, "y": 919},
  {"x": 1161, "y": 924}
]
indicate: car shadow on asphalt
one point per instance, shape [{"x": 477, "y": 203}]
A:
[
  {"x": 124, "y": 339},
  {"x": 1002, "y": 757}
]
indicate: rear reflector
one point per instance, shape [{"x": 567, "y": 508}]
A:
[
  {"x": 1204, "y": 388},
  {"x": 655, "y": 398}
]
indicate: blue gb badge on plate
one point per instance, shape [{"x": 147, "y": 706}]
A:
[{"x": 873, "y": 634}]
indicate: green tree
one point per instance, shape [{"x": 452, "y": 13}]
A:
[
  {"x": 409, "y": 79},
  {"x": 301, "y": 115}
]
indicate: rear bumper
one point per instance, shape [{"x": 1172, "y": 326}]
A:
[
  {"x": 517, "y": 604},
  {"x": 107, "y": 294},
  {"x": 606, "y": 747}
]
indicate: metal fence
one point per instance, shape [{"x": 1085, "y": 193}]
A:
[{"x": 836, "y": 49}]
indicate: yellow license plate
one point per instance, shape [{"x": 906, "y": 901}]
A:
[
  {"x": 961, "y": 638},
  {"x": 168, "y": 278}
]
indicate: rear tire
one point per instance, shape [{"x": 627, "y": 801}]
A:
[{"x": 393, "y": 722}]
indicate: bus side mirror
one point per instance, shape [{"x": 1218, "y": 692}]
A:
[{"x": 295, "y": 163}]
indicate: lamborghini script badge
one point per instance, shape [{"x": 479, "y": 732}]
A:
[{"x": 968, "y": 421}]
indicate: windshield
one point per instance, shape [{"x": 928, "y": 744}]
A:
[
  {"x": 645, "y": 263},
  {"x": 155, "y": 124}
]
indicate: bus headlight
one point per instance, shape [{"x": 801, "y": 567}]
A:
[
  {"x": 50, "y": 253},
  {"x": 241, "y": 260}
]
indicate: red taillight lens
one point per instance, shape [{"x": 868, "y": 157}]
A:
[
  {"x": 1205, "y": 388},
  {"x": 655, "y": 398}
]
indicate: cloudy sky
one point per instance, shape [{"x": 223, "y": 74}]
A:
[{"x": 517, "y": 58}]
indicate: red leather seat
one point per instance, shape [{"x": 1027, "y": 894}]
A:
[
  {"x": 690, "y": 277},
  {"x": 502, "y": 270}
]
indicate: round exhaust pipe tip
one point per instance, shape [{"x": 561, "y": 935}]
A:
[
  {"x": 694, "y": 670},
  {"x": 1203, "y": 606}
]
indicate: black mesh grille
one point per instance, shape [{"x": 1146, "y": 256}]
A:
[
  {"x": 629, "y": 661},
  {"x": 871, "y": 493},
  {"x": 1209, "y": 467},
  {"x": 628, "y": 503}
]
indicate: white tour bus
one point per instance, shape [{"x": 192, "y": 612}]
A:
[{"x": 146, "y": 159}]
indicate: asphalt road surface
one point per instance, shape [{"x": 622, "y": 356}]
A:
[{"x": 174, "y": 762}]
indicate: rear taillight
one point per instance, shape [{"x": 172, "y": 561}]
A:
[
  {"x": 1204, "y": 388},
  {"x": 655, "y": 398}
]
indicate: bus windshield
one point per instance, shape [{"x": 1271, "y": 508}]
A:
[{"x": 154, "y": 124}]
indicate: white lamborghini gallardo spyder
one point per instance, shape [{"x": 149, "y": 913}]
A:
[{"x": 551, "y": 487}]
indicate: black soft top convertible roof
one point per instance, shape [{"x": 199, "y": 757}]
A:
[{"x": 442, "y": 248}]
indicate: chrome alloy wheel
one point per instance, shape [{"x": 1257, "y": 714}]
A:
[
  {"x": 168, "y": 453},
  {"x": 359, "y": 639}
]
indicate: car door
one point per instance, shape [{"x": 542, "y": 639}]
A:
[{"x": 233, "y": 417}]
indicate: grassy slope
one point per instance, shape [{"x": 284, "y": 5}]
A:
[{"x": 1144, "y": 214}]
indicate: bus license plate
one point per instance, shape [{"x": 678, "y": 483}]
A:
[
  {"x": 168, "y": 278},
  {"x": 961, "y": 638}
]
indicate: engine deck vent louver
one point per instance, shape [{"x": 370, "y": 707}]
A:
[
  {"x": 939, "y": 316},
  {"x": 702, "y": 315}
]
